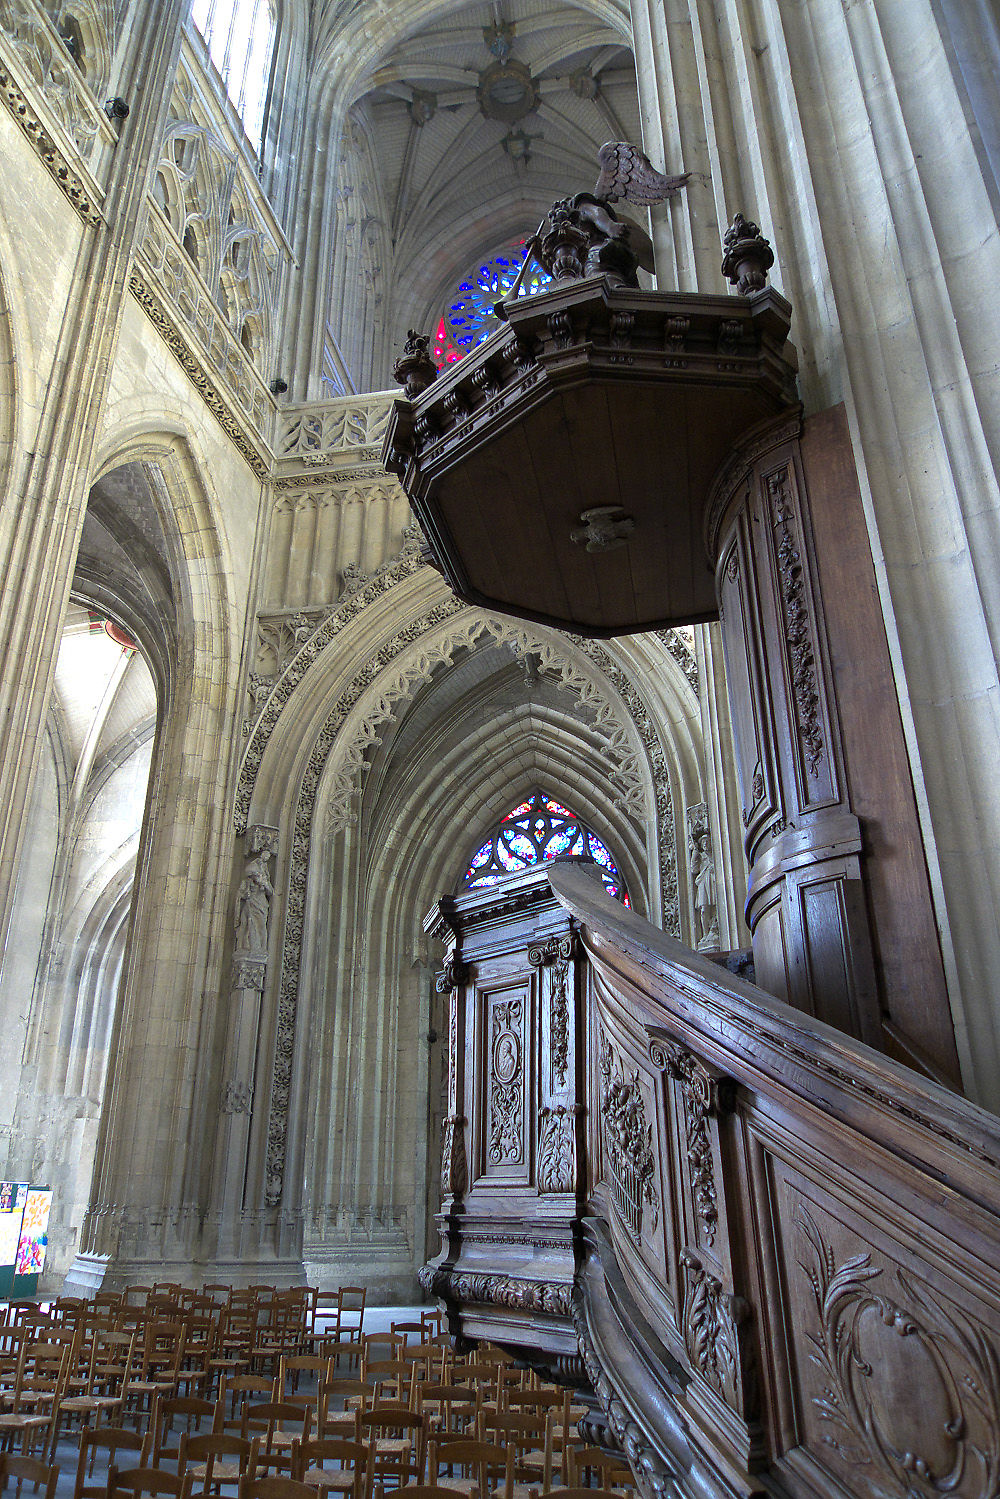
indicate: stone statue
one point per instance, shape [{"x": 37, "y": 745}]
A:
[
  {"x": 702, "y": 864},
  {"x": 252, "y": 906}
]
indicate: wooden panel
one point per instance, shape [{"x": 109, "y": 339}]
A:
[{"x": 906, "y": 946}]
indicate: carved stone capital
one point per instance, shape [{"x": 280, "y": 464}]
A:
[
  {"x": 261, "y": 839},
  {"x": 248, "y": 973},
  {"x": 237, "y": 1097}
]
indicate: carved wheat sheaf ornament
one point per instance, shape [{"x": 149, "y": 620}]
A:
[
  {"x": 947, "y": 1441},
  {"x": 628, "y": 174}
]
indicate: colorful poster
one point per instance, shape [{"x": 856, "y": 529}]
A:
[
  {"x": 12, "y": 1198},
  {"x": 34, "y": 1232}
]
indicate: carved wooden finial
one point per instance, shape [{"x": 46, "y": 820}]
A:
[
  {"x": 415, "y": 370},
  {"x": 748, "y": 256}
]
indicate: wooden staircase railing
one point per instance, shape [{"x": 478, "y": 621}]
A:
[{"x": 776, "y": 1251}]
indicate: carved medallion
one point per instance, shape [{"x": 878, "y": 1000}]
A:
[{"x": 870, "y": 1347}]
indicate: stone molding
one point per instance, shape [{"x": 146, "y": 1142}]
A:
[
  {"x": 144, "y": 286},
  {"x": 28, "y": 105},
  {"x": 367, "y": 674}
]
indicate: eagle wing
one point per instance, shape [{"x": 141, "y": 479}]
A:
[{"x": 626, "y": 172}]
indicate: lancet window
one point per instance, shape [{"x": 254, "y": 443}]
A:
[
  {"x": 239, "y": 35},
  {"x": 537, "y": 830}
]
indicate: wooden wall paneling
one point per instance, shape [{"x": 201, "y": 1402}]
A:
[{"x": 910, "y": 972}]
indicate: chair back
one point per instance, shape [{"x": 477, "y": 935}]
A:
[
  {"x": 109, "y": 1441},
  {"x": 130, "y": 1483},
  {"x": 28, "y": 1470}
]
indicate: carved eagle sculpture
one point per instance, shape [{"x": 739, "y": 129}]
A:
[{"x": 627, "y": 173}]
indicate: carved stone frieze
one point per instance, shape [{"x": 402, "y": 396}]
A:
[
  {"x": 212, "y": 391},
  {"x": 557, "y": 1148},
  {"x": 83, "y": 196},
  {"x": 506, "y": 1061},
  {"x": 628, "y": 1145},
  {"x": 798, "y": 629},
  {"x": 712, "y": 1320},
  {"x": 869, "y": 1345},
  {"x": 454, "y": 1170}
]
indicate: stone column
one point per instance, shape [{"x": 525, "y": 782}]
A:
[
  {"x": 41, "y": 533},
  {"x": 239, "y": 1079}
]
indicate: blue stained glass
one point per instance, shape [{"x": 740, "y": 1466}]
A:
[
  {"x": 507, "y": 859},
  {"x": 482, "y": 855},
  {"x": 523, "y": 847},
  {"x": 470, "y": 318},
  {"x": 600, "y": 853}
]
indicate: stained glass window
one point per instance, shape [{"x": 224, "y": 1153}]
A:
[
  {"x": 469, "y": 318},
  {"x": 534, "y": 831}
]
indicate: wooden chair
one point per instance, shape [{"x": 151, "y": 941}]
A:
[
  {"x": 470, "y": 1468},
  {"x": 39, "y": 1386},
  {"x": 156, "y": 1367},
  {"x": 448, "y": 1407},
  {"x": 529, "y": 1440},
  {"x": 589, "y": 1466},
  {"x": 278, "y": 1423},
  {"x": 341, "y": 1402},
  {"x": 213, "y": 1459},
  {"x": 390, "y": 1381},
  {"x": 296, "y": 1366},
  {"x": 567, "y": 1493},
  {"x": 28, "y": 1470},
  {"x": 397, "y": 1437},
  {"x": 108, "y": 1442},
  {"x": 333, "y": 1466},
  {"x": 131, "y": 1483},
  {"x": 196, "y": 1418},
  {"x": 417, "y": 1491},
  {"x": 237, "y": 1392},
  {"x": 274, "y": 1488},
  {"x": 343, "y": 1353},
  {"x": 104, "y": 1382},
  {"x": 350, "y": 1304}
]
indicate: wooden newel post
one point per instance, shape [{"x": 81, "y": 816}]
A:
[{"x": 806, "y": 902}]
